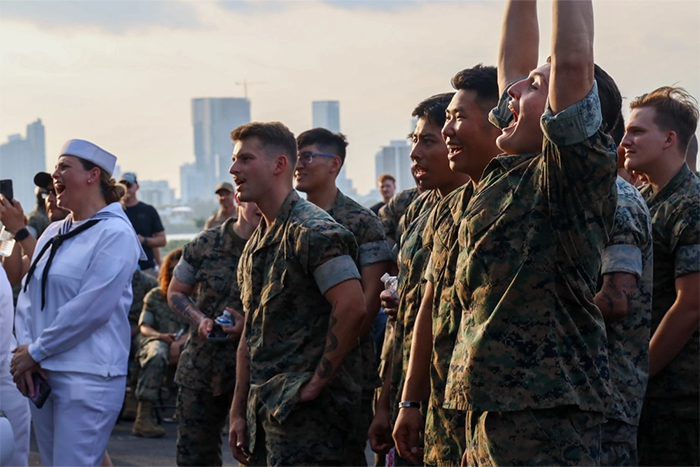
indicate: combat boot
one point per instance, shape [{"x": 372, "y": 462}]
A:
[
  {"x": 144, "y": 426},
  {"x": 130, "y": 403}
]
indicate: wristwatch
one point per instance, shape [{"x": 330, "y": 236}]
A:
[
  {"x": 22, "y": 234},
  {"x": 407, "y": 404}
]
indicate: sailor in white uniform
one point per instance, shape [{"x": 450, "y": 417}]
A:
[{"x": 71, "y": 322}]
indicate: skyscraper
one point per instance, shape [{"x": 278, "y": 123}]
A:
[
  {"x": 213, "y": 119},
  {"x": 20, "y": 159},
  {"x": 395, "y": 160},
  {"x": 326, "y": 114}
]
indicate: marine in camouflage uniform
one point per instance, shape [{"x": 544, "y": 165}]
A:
[
  {"x": 141, "y": 284},
  {"x": 628, "y": 251},
  {"x": 285, "y": 270},
  {"x": 668, "y": 431},
  {"x": 530, "y": 361},
  {"x": 372, "y": 248},
  {"x": 153, "y": 353},
  {"x": 391, "y": 213},
  {"x": 444, "y": 429},
  {"x": 206, "y": 371},
  {"x": 412, "y": 259}
]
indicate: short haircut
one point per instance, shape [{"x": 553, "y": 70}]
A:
[
  {"x": 274, "y": 137},
  {"x": 483, "y": 80},
  {"x": 433, "y": 108},
  {"x": 676, "y": 110},
  {"x": 326, "y": 140},
  {"x": 610, "y": 100},
  {"x": 384, "y": 177}
]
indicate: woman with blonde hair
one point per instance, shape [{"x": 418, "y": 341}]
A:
[{"x": 71, "y": 323}]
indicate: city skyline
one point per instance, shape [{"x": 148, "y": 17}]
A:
[
  {"x": 21, "y": 158},
  {"x": 125, "y": 80}
]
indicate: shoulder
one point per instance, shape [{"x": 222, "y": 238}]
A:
[
  {"x": 153, "y": 295},
  {"x": 308, "y": 220}
]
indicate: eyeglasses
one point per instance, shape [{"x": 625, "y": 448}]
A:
[
  {"x": 307, "y": 156},
  {"x": 126, "y": 184}
]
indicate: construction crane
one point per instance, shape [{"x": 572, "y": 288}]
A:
[{"x": 245, "y": 84}]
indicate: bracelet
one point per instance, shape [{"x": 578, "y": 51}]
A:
[
  {"x": 200, "y": 320},
  {"x": 22, "y": 234},
  {"x": 409, "y": 404}
]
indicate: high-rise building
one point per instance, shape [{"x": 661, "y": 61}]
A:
[
  {"x": 395, "y": 160},
  {"x": 326, "y": 114},
  {"x": 192, "y": 186},
  {"x": 156, "y": 192},
  {"x": 20, "y": 159},
  {"x": 213, "y": 119}
]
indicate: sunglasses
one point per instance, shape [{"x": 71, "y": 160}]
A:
[
  {"x": 126, "y": 184},
  {"x": 48, "y": 192}
]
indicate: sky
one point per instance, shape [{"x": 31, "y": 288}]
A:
[{"x": 122, "y": 73}]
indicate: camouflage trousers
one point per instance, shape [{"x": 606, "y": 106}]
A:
[
  {"x": 444, "y": 438},
  {"x": 153, "y": 359},
  {"x": 358, "y": 441},
  {"x": 200, "y": 418},
  {"x": 618, "y": 444},
  {"x": 307, "y": 437},
  {"x": 669, "y": 432},
  {"x": 557, "y": 436}
]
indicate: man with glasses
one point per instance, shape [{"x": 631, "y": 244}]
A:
[
  {"x": 145, "y": 220},
  {"x": 321, "y": 156}
]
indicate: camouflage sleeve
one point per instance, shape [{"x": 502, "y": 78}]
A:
[
  {"x": 329, "y": 251},
  {"x": 574, "y": 124},
  {"x": 147, "y": 316},
  {"x": 374, "y": 248},
  {"x": 388, "y": 219},
  {"x": 622, "y": 258},
  {"x": 631, "y": 232},
  {"x": 190, "y": 261},
  {"x": 687, "y": 244}
]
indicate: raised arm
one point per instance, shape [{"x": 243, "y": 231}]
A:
[
  {"x": 520, "y": 41},
  {"x": 571, "y": 78}
]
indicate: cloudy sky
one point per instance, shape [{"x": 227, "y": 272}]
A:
[{"x": 122, "y": 73}]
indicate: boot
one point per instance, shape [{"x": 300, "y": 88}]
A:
[
  {"x": 144, "y": 426},
  {"x": 130, "y": 402}
]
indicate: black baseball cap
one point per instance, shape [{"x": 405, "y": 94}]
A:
[{"x": 43, "y": 180}]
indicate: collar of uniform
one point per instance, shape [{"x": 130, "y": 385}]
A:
[
  {"x": 225, "y": 242},
  {"x": 339, "y": 203},
  {"x": 275, "y": 232},
  {"x": 671, "y": 187},
  {"x": 465, "y": 193}
]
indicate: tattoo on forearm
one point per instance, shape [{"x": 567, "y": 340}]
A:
[
  {"x": 325, "y": 367},
  {"x": 185, "y": 307}
]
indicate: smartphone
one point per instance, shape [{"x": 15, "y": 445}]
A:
[
  {"x": 6, "y": 190},
  {"x": 217, "y": 334},
  {"x": 41, "y": 390}
]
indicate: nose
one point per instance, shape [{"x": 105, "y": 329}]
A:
[
  {"x": 233, "y": 170},
  {"x": 516, "y": 90},
  {"x": 448, "y": 128},
  {"x": 626, "y": 141}
]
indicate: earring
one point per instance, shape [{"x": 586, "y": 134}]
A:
[{"x": 89, "y": 180}]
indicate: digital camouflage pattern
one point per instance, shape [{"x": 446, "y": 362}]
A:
[
  {"x": 211, "y": 260},
  {"x": 153, "y": 353},
  {"x": 531, "y": 336},
  {"x": 284, "y": 272},
  {"x": 557, "y": 436},
  {"x": 618, "y": 445},
  {"x": 201, "y": 418},
  {"x": 412, "y": 260},
  {"x": 668, "y": 430},
  {"x": 372, "y": 248},
  {"x": 629, "y": 250},
  {"x": 390, "y": 214},
  {"x": 675, "y": 221},
  {"x": 444, "y": 429},
  {"x": 141, "y": 284}
]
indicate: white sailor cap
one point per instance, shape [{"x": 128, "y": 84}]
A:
[{"x": 90, "y": 152}]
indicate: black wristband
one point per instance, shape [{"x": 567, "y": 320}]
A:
[
  {"x": 407, "y": 404},
  {"x": 22, "y": 234}
]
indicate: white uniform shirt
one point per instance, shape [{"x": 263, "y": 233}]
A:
[{"x": 83, "y": 327}]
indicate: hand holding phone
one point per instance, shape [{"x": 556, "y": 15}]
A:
[
  {"x": 6, "y": 190},
  {"x": 217, "y": 334},
  {"x": 41, "y": 390}
]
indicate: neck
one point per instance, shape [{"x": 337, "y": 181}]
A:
[
  {"x": 272, "y": 201},
  {"x": 457, "y": 181},
  {"x": 89, "y": 209},
  {"x": 243, "y": 228},
  {"x": 324, "y": 197},
  {"x": 663, "y": 171},
  {"x": 131, "y": 202}
]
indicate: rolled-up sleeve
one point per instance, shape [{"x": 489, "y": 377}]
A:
[
  {"x": 374, "y": 252},
  {"x": 185, "y": 272},
  {"x": 334, "y": 271},
  {"x": 574, "y": 124},
  {"x": 622, "y": 258},
  {"x": 687, "y": 260}
]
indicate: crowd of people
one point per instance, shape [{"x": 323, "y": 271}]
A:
[{"x": 544, "y": 310}]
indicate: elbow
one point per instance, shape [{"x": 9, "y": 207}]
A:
[{"x": 574, "y": 64}]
